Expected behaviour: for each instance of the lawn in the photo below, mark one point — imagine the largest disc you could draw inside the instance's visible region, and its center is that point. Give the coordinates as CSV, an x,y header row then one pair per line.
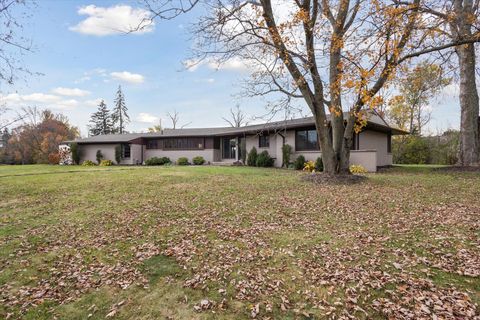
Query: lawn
x,y
236,243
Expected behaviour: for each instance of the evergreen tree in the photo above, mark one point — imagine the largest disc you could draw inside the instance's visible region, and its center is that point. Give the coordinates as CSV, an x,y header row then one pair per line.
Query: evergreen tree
x,y
101,121
119,114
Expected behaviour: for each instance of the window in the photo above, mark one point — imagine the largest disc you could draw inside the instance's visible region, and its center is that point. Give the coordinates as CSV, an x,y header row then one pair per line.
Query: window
x,y
125,151
264,141
228,148
183,143
306,140
152,144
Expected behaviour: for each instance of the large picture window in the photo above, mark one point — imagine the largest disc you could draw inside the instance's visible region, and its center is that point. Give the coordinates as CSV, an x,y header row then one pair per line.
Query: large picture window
x,y
125,151
306,140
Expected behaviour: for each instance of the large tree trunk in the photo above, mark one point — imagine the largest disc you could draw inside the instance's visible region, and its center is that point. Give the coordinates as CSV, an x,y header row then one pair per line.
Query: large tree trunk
x,y
469,153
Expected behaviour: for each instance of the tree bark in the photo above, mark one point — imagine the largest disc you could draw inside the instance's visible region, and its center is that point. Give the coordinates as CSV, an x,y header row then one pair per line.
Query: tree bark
x,y
469,154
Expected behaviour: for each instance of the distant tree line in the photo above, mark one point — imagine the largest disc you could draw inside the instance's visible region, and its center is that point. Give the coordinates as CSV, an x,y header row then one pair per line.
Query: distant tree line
x,y
36,139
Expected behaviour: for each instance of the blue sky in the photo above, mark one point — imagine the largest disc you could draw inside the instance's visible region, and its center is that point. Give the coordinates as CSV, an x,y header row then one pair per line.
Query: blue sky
x,y
83,60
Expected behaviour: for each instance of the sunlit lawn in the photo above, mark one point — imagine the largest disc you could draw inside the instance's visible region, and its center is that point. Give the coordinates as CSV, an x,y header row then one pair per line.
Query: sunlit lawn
x,y
235,242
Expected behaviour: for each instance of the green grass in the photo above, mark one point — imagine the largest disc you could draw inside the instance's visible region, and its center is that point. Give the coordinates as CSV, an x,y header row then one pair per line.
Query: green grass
x,y
153,242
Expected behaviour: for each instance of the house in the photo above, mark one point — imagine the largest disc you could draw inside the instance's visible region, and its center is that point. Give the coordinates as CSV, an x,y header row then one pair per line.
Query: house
x,y
221,145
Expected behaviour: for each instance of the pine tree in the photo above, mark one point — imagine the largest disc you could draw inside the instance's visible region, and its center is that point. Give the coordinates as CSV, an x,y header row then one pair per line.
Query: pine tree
x,y
119,114
101,121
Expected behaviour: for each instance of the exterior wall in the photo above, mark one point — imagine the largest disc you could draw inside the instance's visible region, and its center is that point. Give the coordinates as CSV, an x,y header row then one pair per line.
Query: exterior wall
x,y
89,152
374,140
207,154
365,158
253,141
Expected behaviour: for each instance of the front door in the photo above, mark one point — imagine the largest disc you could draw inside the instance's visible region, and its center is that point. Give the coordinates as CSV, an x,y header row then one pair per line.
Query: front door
x,y
228,148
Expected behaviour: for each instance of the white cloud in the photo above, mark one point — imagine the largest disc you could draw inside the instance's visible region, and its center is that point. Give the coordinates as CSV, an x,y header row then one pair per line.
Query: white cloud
x,y
233,64
71,92
128,77
93,102
147,118
39,99
206,80
119,19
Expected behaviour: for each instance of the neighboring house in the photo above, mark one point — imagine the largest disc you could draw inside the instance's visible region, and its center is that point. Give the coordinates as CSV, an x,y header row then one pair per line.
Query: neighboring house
x,y
371,149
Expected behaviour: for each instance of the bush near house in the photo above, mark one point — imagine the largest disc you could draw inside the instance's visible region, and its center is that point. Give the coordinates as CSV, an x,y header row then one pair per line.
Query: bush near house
x,y
357,168
157,161
252,157
74,149
319,165
54,158
286,153
264,160
106,163
198,160
99,156
118,153
299,163
183,161
309,166
88,163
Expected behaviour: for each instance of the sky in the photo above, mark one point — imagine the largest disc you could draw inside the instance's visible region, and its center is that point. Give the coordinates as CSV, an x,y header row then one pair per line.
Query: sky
x,y
83,56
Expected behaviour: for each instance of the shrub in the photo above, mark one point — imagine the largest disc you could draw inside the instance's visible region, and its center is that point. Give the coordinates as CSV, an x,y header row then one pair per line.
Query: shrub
x,y
286,153
156,161
264,160
88,163
243,150
319,164
182,161
74,149
357,168
252,157
54,158
198,160
309,166
299,162
99,156
106,163
118,153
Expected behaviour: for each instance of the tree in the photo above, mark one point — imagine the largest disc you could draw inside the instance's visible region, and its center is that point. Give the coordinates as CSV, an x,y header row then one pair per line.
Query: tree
x,y
120,117
458,22
175,118
237,117
12,43
101,121
39,137
331,54
408,111
156,128
6,122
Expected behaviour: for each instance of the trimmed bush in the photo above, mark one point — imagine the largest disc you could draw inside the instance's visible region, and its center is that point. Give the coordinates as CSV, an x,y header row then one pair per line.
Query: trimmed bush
x,y
183,161
309,166
106,163
319,164
299,163
99,156
252,157
264,160
118,153
88,163
357,168
286,153
156,161
74,149
198,160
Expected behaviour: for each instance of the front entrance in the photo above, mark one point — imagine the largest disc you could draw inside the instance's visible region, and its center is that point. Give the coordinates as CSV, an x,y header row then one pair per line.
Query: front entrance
x,y
229,147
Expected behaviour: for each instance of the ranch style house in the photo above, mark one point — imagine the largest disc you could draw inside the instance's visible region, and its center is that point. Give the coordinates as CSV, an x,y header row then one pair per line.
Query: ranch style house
x,y
221,145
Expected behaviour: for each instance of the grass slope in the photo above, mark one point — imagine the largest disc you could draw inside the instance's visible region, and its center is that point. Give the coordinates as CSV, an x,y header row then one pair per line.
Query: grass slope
x,y
233,242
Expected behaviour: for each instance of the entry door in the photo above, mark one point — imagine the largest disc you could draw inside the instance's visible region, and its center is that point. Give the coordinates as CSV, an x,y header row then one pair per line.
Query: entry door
x,y
229,146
